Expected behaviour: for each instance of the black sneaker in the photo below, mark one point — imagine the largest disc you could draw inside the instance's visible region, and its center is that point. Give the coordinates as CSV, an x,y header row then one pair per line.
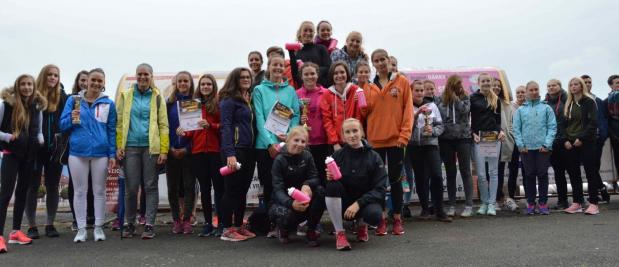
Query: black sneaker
x,y
50,231
207,230
406,212
282,235
561,206
149,232
74,227
442,216
312,238
605,195
218,231
425,215
128,231
33,233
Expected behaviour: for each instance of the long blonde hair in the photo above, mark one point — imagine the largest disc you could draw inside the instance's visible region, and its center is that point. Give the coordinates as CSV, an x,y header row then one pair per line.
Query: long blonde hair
x,y
20,118
491,97
303,24
52,95
570,97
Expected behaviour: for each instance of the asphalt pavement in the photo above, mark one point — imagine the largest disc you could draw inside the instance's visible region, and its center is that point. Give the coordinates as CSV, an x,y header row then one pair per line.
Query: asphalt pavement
x,y
509,239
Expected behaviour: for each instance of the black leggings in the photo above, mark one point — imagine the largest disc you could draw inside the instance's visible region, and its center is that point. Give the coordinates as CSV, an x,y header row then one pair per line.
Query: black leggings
x,y
395,160
180,179
13,171
205,167
287,218
585,155
513,165
320,153
371,213
236,185
265,162
426,162
558,161
90,199
52,180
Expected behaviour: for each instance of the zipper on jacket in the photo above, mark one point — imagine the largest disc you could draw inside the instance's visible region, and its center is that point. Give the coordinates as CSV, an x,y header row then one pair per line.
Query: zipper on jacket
x,y
236,135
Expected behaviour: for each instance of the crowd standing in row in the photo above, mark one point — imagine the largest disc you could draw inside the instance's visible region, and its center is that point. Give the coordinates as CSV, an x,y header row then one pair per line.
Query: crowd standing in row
x,y
347,141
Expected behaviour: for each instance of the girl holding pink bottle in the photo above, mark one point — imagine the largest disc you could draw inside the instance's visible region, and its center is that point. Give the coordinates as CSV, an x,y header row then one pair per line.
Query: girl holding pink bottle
x,y
360,192
298,193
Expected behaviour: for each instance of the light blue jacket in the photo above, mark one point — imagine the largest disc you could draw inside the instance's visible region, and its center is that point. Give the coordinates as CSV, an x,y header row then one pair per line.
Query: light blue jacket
x,y
263,98
534,125
95,136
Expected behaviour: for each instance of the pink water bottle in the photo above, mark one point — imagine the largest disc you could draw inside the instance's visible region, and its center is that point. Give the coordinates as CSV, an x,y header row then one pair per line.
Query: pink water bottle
x,y
361,98
225,170
279,146
294,46
333,168
298,195
332,45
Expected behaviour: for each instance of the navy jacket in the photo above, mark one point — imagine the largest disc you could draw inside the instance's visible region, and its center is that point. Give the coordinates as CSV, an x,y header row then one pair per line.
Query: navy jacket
x,y
237,125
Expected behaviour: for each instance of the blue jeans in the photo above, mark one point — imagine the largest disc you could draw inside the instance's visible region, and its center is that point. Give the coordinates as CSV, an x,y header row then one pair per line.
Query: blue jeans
x,y
487,190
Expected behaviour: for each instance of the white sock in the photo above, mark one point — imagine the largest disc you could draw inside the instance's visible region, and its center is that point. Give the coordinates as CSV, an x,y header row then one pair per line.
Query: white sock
x,y
334,206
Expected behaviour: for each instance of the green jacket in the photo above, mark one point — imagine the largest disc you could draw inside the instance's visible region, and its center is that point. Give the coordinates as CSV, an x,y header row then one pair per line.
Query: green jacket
x,y
158,131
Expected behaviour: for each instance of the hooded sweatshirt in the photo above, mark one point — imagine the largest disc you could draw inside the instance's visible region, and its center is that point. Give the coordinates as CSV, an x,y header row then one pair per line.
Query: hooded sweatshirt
x,y
363,174
434,117
483,117
456,118
535,125
336,108
317,134
264,98
557,104
292,171
390,117
95,136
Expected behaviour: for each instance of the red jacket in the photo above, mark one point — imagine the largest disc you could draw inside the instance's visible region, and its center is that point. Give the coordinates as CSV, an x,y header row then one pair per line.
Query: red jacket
x,y
206,140
335,109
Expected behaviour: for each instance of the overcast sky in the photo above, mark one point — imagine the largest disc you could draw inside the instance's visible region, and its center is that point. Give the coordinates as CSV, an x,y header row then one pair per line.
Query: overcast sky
x,y
530,40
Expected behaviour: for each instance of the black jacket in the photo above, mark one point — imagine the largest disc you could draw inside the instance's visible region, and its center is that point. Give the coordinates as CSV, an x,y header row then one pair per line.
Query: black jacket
x,y
292,171
316,54
483,118
557,103
24,147
589,120
51,122
363,174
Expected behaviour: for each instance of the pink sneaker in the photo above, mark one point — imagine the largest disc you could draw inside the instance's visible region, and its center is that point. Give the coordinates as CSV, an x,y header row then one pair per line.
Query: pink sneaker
x,y
574,208
592,210
177,228
18,237
2,245
187,228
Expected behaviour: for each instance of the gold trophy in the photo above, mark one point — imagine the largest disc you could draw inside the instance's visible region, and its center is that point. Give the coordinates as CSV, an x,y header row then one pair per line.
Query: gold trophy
x,y
305,102
427,120
76,106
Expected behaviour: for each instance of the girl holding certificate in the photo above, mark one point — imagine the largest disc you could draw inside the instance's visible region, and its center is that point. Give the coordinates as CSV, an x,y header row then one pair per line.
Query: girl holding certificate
x,y
276,107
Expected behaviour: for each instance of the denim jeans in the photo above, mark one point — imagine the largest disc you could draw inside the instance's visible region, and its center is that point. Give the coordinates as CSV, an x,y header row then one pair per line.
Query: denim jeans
x,y
487,190
139,165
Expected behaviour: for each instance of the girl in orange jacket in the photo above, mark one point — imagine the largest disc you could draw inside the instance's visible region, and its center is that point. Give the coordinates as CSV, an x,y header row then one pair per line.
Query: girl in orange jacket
x,y
339,103
390,120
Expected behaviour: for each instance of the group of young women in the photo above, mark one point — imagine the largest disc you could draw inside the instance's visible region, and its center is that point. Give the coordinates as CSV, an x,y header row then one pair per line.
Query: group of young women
x,y
331,114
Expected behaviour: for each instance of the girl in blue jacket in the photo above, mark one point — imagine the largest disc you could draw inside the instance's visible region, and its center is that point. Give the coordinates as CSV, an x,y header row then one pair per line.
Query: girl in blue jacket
x,y
535,128
274,89
92,148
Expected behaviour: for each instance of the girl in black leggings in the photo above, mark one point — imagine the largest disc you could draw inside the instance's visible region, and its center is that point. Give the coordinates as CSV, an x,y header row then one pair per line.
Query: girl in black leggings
x,y
237,142
20,138
294,168
360,193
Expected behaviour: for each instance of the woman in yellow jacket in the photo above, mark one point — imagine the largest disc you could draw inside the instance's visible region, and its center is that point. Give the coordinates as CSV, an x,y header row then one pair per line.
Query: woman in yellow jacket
x,y
142,143
389,122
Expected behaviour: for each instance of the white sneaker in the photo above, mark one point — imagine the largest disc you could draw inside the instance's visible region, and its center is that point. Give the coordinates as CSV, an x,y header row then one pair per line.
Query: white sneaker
x,y
99,234
511,204
451,211
467,212
80,236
